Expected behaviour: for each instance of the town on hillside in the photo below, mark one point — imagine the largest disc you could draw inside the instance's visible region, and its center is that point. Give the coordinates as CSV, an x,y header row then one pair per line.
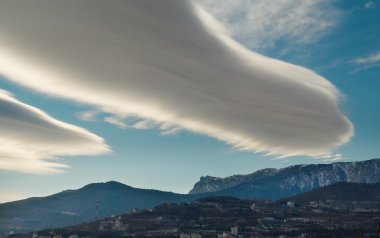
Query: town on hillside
x,y
227,217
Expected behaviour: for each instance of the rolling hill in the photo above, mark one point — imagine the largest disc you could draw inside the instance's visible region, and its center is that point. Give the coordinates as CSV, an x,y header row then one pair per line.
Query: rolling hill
x,y
75,206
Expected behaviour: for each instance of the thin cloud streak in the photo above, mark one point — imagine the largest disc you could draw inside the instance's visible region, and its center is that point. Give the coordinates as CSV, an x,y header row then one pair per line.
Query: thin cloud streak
x,y
87,115
366,63
171,63
116,121
369,5
31,141
372,59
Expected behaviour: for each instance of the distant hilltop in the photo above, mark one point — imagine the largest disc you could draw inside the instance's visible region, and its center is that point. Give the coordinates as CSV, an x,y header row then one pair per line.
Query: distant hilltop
x,y
277,183
75,206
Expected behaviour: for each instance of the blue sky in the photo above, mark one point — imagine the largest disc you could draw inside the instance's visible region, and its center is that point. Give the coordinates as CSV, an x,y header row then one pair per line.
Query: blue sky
x,y
347,53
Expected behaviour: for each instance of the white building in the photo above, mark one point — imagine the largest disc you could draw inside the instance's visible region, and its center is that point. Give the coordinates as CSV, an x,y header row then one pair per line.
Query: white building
x,y
73,236
194,235
119,226
235,230
290,204
184,235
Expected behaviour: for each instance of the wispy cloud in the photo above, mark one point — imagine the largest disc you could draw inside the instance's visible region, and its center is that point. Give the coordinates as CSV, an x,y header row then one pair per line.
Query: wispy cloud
x,y
31,141
263,24
117,121
142,124
331,157
371,59
365,63
169,129
171,62
369,5
87,115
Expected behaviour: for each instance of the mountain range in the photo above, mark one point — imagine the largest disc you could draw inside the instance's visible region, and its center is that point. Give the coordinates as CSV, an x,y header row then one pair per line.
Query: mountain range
x,y
274,184
75,206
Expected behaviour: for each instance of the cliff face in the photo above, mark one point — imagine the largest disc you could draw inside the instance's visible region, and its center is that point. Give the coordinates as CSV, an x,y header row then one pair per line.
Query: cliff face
x,y
291,180
213,184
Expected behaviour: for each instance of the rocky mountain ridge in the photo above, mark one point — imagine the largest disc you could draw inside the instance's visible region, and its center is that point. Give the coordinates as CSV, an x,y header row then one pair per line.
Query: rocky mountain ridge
x,y
291,180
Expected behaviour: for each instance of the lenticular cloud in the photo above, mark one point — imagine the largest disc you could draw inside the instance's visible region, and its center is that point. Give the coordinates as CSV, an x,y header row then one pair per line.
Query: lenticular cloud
x,y
31,140
169,62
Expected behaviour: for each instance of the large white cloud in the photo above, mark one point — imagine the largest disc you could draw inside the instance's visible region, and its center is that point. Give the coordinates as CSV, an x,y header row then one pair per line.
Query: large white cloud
x,y
169,62
31,141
